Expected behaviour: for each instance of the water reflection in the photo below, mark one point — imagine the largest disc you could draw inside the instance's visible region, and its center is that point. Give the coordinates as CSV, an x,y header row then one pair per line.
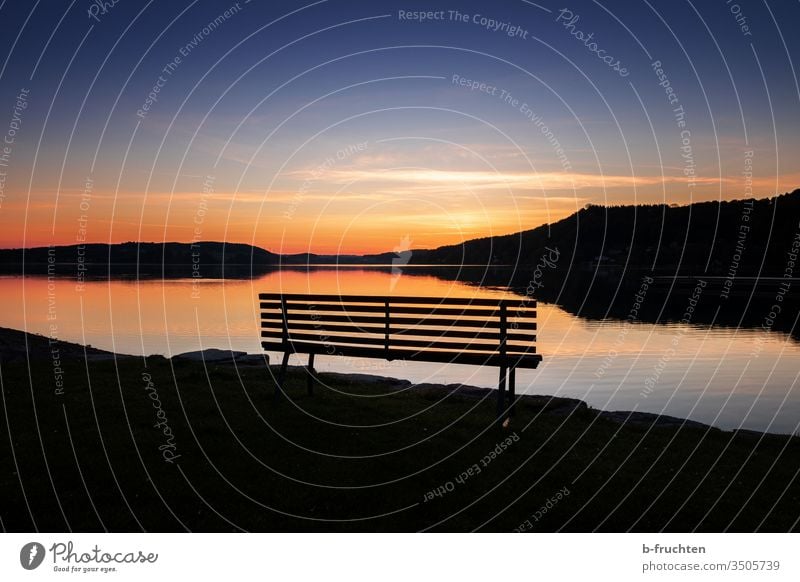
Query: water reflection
x,y
723,376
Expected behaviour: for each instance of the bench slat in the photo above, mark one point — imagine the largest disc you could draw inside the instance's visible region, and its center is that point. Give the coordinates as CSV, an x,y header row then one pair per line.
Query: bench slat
x,y
512,303
296,309
406,331
293,308
482,324
322,328
422,309
379,340
459,333
462,334
518,361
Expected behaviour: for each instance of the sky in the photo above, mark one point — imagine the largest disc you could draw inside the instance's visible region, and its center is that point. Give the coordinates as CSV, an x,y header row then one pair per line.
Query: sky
x,y
358,127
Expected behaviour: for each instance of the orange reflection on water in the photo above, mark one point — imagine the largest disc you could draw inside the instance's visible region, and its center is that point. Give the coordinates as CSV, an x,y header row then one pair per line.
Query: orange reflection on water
x,y
710,375
174,316
358,281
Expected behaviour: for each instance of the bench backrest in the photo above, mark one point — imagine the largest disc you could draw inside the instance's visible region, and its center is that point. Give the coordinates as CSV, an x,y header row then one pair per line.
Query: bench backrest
x,y
495,332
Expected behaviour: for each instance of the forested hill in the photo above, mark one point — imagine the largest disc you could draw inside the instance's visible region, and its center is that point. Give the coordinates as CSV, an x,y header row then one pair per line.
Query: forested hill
x,y
149,258
710,238
146,253
705,237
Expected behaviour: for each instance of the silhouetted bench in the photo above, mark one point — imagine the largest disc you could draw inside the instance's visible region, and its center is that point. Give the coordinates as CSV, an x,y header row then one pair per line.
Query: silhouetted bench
x,y
480,332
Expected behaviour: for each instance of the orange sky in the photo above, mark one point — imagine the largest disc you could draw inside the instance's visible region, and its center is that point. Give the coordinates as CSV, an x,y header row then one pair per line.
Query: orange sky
x,y
374,133
421,209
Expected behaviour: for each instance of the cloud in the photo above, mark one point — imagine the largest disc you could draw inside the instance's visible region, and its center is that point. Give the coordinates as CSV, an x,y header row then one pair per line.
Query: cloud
x,y
484,180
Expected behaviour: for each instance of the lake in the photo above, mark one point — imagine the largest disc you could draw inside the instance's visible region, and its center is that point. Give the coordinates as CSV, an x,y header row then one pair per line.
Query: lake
x,y
726,377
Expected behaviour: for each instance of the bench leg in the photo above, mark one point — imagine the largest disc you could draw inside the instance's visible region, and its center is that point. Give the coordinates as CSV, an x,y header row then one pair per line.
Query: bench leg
x,y
310,372
282,375
501,394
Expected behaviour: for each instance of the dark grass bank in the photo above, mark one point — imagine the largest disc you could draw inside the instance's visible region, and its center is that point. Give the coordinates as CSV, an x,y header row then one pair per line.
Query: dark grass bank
x,y
173,445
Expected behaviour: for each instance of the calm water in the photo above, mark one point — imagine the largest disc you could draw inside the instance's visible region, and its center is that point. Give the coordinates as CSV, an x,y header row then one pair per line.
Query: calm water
x,y
725,377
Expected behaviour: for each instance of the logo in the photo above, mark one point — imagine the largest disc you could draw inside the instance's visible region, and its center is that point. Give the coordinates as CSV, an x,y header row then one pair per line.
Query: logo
x,y
31,555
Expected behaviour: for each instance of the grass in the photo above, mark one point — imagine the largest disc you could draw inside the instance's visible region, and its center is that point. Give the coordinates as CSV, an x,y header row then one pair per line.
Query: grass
x,y
359,457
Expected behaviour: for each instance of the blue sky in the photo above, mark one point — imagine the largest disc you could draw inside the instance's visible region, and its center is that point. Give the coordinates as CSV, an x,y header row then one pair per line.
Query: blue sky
x,y
263,99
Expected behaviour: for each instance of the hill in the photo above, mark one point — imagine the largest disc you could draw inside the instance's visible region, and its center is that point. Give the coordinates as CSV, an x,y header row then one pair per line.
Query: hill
x,y
701,238
146,259
743,253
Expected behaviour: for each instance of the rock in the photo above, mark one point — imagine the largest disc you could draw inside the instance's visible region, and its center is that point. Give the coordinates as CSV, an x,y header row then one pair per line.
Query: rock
x,y
557,405
211,355
650,419
19,346
253,360
382,381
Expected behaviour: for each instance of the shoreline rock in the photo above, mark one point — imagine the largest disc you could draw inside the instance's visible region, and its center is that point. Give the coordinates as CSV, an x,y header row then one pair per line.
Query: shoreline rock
x,y
20,346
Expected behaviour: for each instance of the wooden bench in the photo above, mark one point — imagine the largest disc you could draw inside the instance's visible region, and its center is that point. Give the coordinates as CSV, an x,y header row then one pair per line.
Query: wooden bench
x,y
481,332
